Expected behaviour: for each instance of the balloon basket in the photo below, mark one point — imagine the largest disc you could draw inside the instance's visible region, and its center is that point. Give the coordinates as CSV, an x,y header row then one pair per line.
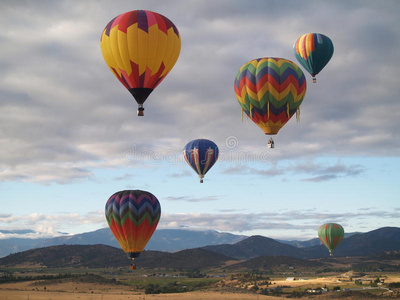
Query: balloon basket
x,y
140,110
271,144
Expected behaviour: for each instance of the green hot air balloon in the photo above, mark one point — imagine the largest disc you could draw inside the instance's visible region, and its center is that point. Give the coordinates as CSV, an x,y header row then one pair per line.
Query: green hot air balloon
x,y
331,235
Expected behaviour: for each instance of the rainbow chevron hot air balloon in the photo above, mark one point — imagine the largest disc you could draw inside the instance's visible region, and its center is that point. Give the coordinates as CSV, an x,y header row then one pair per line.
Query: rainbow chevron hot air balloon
x,y
140,47
201,155
270,90
133,216
313,51
331,235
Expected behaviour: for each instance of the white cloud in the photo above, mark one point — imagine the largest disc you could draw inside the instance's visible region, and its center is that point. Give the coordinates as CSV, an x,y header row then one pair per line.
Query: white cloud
x,y
271,224
49,225
193,199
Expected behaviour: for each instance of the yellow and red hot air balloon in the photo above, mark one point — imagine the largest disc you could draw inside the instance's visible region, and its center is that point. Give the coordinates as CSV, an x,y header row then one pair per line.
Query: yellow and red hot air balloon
x,y
140,47
270,91
133,217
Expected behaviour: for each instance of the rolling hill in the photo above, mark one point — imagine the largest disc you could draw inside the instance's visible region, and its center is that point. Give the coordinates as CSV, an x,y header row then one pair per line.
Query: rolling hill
x,y
256,252
362,244
255,246
103,256
376,241
64,256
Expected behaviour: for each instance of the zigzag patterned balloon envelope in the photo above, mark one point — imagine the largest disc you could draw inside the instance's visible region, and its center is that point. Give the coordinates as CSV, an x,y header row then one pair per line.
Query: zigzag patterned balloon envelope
x,y
270,90
133,216
201,155
140,47
313,51
331,235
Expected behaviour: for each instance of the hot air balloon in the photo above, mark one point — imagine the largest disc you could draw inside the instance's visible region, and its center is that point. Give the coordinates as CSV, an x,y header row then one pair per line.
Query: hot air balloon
x,y
201,155
331,235
140,47
313,51
270,90
133,216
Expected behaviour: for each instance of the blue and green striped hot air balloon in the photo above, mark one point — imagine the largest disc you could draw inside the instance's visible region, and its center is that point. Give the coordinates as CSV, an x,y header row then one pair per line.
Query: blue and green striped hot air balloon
x,y
313,51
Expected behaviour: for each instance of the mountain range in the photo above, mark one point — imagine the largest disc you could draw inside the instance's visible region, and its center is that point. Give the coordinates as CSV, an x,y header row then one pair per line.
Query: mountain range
x,y
360,244
246,248
170,240
102,256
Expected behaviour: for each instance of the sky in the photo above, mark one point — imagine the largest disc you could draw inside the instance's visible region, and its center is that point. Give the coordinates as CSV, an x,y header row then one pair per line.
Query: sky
x,y
70,136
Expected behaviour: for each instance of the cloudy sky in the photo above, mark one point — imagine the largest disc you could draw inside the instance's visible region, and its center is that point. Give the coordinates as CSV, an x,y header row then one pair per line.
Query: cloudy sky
x,y
70,137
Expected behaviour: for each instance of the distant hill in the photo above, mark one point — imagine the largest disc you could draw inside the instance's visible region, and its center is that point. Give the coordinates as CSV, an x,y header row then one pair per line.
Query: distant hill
x,y
255,246
376,241
102,256
264,263
312,242
163,240
363,244
64,256
258,252
14,245
235,246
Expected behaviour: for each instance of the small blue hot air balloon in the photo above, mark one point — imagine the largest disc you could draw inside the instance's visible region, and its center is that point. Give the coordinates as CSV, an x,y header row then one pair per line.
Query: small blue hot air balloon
x,y
201,155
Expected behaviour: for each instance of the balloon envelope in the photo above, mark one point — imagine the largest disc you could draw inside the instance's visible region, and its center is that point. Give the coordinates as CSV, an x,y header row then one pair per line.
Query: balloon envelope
x,y
331,235
133,216
201,155
270,90
140,47
313,51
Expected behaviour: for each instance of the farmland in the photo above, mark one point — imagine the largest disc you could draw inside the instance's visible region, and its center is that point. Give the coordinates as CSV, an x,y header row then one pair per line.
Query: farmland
x,y
119,283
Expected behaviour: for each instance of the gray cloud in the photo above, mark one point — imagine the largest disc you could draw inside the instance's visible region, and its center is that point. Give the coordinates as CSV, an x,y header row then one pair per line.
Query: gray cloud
x,y
320,171
324,173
